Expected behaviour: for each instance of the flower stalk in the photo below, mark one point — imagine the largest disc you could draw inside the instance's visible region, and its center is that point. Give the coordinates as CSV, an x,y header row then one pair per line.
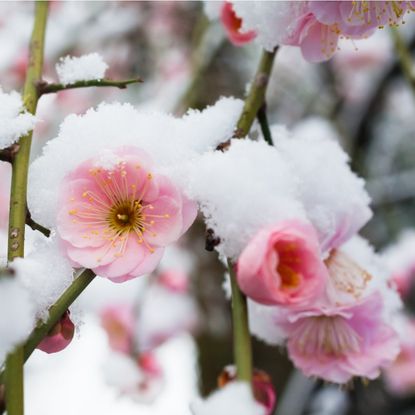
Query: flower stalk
x,y
17,219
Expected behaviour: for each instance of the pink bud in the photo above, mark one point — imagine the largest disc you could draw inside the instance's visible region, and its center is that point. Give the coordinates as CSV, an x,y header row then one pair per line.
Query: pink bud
x,y
174,280
59,337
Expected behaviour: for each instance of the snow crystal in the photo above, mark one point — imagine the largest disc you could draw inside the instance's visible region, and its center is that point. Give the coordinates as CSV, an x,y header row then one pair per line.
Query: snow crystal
x,y
234,398
242,190
89,67
44,273
169,141
14,121
333,196
16,315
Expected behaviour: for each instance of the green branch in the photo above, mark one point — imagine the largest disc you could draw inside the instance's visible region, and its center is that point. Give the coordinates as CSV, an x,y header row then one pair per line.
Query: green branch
x,y
405,58
17,218
48,88
56,311
256,94
241,337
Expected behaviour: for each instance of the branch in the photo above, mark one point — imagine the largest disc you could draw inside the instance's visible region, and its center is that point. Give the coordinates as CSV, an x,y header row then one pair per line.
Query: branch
x,y
242,347
256,95
44,87
263,122
36,226
17,219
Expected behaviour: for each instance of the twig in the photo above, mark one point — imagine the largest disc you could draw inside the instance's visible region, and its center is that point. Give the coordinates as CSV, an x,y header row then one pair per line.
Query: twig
x,y
263,122
36,226
44,87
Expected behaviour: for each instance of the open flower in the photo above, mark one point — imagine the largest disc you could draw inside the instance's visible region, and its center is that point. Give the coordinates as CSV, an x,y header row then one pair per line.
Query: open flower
x,y
282,265
338,343
117,214
232,24
59,337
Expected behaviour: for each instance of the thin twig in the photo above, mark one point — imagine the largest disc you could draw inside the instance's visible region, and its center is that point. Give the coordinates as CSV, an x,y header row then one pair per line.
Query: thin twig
x,y
44,87
263,122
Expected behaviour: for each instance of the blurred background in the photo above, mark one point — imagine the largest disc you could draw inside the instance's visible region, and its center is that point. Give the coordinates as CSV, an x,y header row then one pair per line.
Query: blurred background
x,y
360,97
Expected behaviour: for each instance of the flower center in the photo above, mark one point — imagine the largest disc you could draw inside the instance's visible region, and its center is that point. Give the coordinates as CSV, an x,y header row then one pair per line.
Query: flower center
x,y
326,335
287,264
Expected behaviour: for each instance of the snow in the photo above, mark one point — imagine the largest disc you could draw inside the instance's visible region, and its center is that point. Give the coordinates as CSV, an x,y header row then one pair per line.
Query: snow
x,y
14,121
235,398
16,314
171,142
89,67
242,190
44,273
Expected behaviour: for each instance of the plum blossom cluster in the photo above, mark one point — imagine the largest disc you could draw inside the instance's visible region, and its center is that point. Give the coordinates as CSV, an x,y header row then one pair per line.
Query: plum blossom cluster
x,y
289,221
136,331
314,26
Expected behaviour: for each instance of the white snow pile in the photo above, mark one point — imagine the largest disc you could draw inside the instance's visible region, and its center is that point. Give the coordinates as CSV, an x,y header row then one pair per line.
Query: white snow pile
x,y
14,120
71,69
170,142
45,274
234,399
16,315
241,190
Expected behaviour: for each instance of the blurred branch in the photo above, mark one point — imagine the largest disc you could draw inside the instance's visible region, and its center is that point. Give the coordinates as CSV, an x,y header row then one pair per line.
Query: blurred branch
x,y
363,136
44,87
405,58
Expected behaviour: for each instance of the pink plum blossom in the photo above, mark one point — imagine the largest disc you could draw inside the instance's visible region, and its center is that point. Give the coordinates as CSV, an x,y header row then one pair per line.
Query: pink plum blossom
x,y
232,24
117,214
282,265
5,177
60,336
400,376
317,26
118,321
336,343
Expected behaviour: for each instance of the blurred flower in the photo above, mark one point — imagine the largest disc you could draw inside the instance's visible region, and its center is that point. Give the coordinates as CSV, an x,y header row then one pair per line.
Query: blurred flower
x,y
154,328
118,322
336,343
59,337
282,265
264,391
174,280
400,376
232,24
117,216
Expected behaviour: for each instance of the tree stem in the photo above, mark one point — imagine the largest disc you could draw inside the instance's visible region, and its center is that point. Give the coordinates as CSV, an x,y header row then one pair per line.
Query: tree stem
x,y
263,122
405,58
241,336
17,219
256,95
48,88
